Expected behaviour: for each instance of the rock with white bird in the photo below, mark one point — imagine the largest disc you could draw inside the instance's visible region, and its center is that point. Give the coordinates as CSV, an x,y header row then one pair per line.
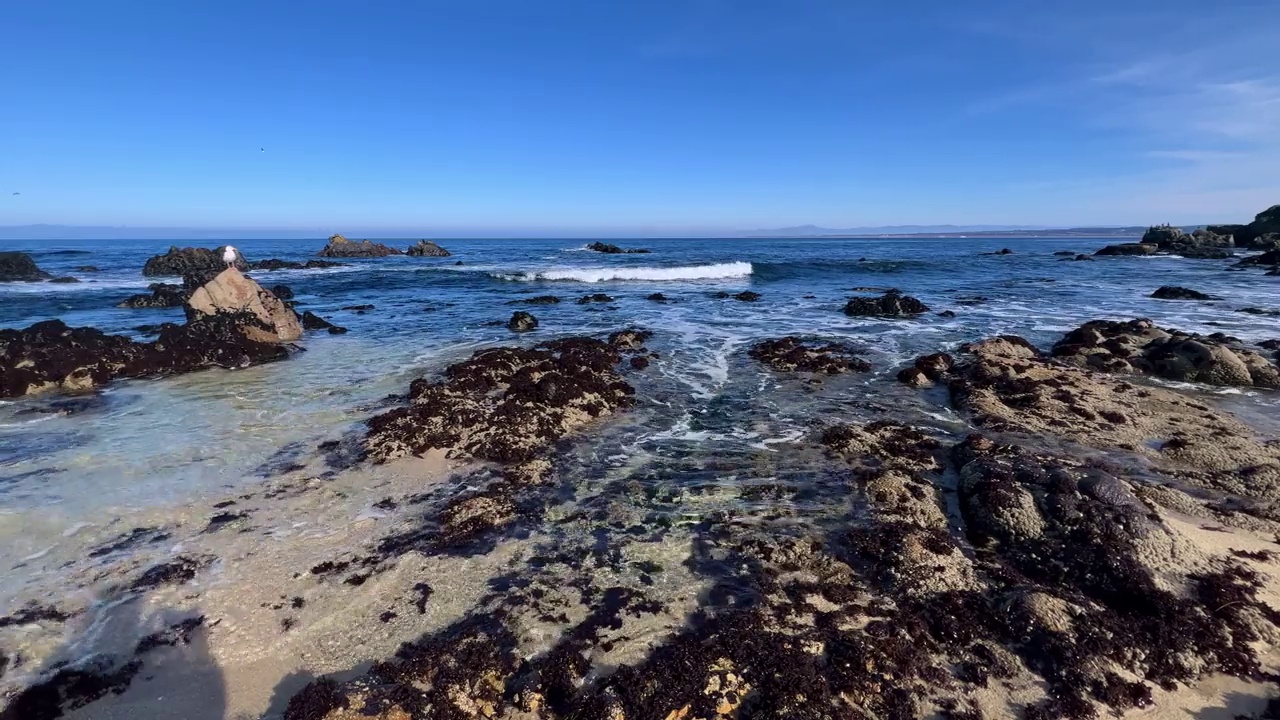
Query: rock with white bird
x,y
230,292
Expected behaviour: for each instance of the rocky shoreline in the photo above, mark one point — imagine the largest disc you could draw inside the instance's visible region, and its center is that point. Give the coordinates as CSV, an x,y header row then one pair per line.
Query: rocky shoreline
x,y
995,529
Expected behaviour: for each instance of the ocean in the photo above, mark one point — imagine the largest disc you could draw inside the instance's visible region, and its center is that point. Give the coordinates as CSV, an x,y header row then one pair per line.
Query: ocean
x,y
164,441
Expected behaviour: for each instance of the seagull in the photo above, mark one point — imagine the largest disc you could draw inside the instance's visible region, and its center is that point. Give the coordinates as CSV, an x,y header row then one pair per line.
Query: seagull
x,y
229,256
17,193
262,149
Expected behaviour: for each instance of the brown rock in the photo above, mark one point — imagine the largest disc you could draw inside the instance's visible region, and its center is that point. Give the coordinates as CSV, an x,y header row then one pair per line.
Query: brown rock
x,y
232,292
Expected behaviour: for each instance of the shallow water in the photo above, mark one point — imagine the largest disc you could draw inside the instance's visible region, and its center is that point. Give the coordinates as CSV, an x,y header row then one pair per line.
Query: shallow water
x,y
146,444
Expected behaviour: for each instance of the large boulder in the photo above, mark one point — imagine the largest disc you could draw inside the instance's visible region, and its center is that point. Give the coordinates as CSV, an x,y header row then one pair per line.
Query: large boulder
x,y
426,248
890,304
230,292
1173,292
188,261
339,246
1270,257
522,322
19,267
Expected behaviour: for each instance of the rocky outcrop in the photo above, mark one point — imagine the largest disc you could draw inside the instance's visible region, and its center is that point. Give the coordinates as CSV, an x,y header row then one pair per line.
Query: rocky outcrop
x,y
50,356
508,405
1268,258
1203,244
537,300
789,354
65,280
1173,292
276,264
190,261
1261,234
340,247
427,248
594,298
926,370
163,295
609,249
522,322
311,321
19,267
231,292
890,304
1129,249
88,268
747,296
1138,346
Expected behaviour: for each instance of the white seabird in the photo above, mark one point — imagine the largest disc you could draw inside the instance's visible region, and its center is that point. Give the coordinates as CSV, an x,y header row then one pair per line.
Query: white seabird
x,y
229,256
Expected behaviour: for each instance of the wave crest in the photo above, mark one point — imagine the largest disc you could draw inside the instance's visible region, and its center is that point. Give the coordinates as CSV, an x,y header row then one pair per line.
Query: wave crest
x,y
718,271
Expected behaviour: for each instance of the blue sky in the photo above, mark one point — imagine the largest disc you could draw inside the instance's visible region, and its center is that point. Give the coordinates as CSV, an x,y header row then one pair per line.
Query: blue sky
x,y
634,116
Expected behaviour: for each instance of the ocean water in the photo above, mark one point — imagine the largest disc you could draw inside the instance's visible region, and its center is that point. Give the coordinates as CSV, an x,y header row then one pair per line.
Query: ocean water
x,y
143,444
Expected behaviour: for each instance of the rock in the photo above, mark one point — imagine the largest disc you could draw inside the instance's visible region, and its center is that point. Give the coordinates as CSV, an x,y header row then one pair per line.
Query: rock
x,y
1065,253
1270,257
596,298
887,305
50,356
657,297
789,354
522,322
88,268
1259,311
1002,251
747,296
274,264
608,249
358,308
1173,292
311,321
1201,244
233,293
162,295
947,314
340,247
538,300
64,280
1138,346
19,267
426,248
1129,249
284,292
190,261
507,405
926,370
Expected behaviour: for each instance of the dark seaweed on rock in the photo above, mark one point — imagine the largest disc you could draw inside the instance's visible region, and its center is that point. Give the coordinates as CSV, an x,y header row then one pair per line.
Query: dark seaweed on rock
x,y
71,688
49,355
175,572
792,353
891,304
507,404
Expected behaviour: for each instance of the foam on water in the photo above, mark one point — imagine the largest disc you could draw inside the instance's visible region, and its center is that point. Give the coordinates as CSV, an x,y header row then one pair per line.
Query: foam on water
x,y
719,271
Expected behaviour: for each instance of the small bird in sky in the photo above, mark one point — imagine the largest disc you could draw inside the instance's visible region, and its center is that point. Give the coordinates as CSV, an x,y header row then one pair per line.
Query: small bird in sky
x,y
262,149
17,193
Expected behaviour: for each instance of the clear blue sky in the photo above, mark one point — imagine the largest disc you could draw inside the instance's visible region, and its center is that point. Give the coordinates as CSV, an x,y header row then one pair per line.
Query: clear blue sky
x,y
655,114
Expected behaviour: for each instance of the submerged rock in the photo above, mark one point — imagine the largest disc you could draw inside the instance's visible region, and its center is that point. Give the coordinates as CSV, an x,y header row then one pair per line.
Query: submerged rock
x,y
190,261
233,293
791,353
1138,346
609,249
1173,292
1270,257
426,248
538,300
522,322
747,296
19,267
887,305
339,246
594,298
65,280
88,268
656,297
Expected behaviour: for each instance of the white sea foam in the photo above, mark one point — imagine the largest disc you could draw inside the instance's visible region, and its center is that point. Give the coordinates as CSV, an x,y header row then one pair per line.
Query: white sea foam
x,y
718,271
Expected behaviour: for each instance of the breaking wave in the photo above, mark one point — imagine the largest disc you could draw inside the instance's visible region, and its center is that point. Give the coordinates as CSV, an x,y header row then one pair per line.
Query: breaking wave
x,y
653,274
